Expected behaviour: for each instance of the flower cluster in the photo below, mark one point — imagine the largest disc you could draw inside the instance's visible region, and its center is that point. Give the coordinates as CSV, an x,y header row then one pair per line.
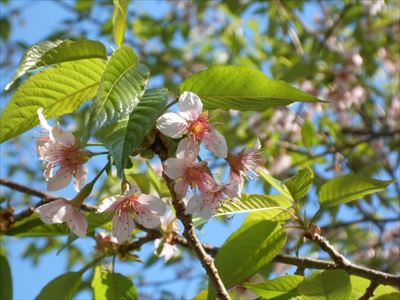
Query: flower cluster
x,y
191,123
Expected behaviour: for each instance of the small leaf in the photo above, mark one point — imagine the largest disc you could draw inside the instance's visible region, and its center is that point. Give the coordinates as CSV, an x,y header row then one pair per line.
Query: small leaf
x,y
107,285
240,88
276,184
54,52
328,285
300,184
5,279
119,20
121,87
248,250
5,29
278,289
348,188
61,288
59,90
129,133
308,134
84,5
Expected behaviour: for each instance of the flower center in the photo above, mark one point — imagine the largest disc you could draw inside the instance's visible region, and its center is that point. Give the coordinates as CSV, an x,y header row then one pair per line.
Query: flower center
x,y
200,126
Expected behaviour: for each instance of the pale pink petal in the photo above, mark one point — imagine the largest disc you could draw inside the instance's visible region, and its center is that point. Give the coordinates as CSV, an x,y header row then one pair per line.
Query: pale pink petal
x,y
169,251
42,143
60,180
153,203
181,187
198,206
233,188
53,212
65,138
148,219
76,221
122,226
80,177
174,168
215,142
48,171
190,106
172,125
188,147
42,119
109,204
257,145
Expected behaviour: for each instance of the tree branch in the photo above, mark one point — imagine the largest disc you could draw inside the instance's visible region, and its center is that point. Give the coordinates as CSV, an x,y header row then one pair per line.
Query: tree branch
x,y
369,292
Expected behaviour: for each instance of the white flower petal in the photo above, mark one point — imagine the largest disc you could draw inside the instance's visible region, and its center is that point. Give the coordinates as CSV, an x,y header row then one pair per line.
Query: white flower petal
x,y
148,219
188,147
109,204
48,171
215,142
60,180
172,125
123,226
53,212
190,106
42,120
153,203
194,204
175,167
80,177
76,221
65,138
181,188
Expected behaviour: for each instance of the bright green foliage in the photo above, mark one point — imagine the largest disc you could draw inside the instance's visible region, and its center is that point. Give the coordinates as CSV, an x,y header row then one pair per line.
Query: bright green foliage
x,y
107,285
248,250
129,133
240,88
391,296
348,188
61,288
59,90
359,285
276,184
300,184
54,52
119,20
121,87
280,288
5,279
328,285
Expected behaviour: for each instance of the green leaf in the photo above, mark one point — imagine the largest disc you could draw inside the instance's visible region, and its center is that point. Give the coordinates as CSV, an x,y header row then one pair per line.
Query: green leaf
x,y
5,279
129,132
5,29
61,288
240,88
391,296
300,184
84,5
328,285
59,90
279,288
248,250
308,134
359,286
348,188
121,87
107,285
276,184
54,52
119,20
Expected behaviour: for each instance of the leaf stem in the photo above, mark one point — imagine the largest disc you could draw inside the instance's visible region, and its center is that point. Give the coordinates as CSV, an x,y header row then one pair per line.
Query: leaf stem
x,y
91,264
94,145
99,153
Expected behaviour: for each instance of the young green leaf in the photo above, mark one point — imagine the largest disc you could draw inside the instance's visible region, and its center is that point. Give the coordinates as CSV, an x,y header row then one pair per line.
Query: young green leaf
x,y
61,288
359,285
59,90
119,20
129,132
248,250
5,279
121,87
328,285
300,184
240,88
276,184
107,285
348,188
278,289
54,52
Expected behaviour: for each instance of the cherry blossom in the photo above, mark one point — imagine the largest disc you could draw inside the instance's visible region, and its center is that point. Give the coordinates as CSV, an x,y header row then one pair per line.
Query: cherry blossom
x,y
60,149
145,209
185,171
166,247
63,211
244,293
191,120
246,162
206,204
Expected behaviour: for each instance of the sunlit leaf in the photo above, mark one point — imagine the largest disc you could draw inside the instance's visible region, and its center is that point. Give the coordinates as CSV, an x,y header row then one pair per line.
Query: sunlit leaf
x,y
348,188
5,279
61,288
300,184
59,90
276,184
240,88
280,288
119,20
360,284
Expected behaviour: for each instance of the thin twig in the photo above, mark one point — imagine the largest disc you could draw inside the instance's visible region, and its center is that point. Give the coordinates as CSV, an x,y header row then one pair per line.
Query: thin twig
x,y
369,292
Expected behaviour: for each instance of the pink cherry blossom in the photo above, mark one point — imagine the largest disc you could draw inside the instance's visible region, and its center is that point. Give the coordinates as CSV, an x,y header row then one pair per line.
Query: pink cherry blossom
x,y
192,121
145,209
63,211
60,149
185,171
246,162
244,293
166,247
206,204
